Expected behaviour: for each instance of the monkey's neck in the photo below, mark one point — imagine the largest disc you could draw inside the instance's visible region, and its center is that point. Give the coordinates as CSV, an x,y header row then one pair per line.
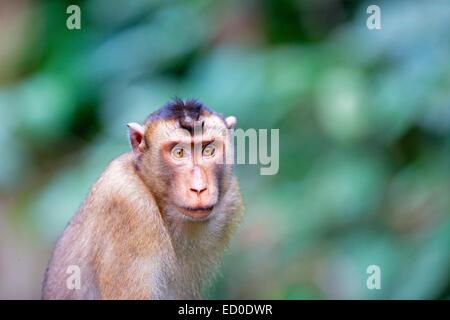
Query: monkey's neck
x,y
193,238
193,259
196,246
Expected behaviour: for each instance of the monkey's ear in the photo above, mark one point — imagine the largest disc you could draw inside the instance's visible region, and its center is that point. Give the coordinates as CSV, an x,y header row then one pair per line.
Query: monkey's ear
x,y
230,122
137,132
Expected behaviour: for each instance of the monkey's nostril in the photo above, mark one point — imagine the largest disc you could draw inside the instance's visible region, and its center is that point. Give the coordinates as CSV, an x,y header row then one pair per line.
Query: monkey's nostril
x,y
198,191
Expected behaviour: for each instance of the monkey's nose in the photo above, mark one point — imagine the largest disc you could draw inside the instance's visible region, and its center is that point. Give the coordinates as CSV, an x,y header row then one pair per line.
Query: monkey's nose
x,y
198,182
198,190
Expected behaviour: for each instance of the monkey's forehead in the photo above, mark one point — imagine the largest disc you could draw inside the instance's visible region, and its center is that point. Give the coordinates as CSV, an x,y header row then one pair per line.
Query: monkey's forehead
x,y
210,127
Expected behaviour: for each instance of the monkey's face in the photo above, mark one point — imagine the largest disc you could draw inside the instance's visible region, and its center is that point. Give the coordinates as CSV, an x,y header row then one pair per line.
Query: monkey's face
x,y
191,164
183,153
194,185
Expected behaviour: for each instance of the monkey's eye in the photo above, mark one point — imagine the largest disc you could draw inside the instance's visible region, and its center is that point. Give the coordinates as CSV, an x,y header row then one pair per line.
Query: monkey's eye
x,y
178,152
209,150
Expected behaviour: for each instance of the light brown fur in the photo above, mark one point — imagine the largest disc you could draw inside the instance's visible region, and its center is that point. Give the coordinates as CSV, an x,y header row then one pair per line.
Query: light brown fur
x,y
130,244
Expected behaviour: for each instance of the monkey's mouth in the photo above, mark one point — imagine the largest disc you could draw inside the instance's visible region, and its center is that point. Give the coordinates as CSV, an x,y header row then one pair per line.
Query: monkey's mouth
x,y
197,213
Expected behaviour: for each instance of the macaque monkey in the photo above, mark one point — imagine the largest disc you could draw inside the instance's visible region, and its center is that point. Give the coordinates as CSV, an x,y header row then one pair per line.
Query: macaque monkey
x,y
156,222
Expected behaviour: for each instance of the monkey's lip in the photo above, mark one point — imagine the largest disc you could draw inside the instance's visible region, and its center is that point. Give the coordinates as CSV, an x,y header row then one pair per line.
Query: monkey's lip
x,y
197,213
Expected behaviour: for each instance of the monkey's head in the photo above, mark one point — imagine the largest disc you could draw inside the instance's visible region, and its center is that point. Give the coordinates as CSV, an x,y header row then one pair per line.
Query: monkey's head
x,y
182,153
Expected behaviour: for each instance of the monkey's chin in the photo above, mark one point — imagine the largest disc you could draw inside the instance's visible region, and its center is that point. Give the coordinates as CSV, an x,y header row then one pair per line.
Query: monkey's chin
x,y
197,214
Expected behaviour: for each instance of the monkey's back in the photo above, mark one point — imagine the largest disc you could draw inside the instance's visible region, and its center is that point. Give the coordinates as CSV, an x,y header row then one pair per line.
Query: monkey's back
x,y
115,233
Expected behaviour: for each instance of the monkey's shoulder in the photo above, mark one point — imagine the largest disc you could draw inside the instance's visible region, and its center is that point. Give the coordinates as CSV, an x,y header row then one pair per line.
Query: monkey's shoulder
x,y
118,206
119,188
120,178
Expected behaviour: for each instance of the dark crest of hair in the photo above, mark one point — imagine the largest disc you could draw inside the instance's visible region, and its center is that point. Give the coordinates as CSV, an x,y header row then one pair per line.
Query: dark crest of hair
x,y
186,112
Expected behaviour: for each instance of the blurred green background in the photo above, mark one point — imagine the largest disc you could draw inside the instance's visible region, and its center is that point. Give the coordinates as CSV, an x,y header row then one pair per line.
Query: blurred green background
x,y
364,119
